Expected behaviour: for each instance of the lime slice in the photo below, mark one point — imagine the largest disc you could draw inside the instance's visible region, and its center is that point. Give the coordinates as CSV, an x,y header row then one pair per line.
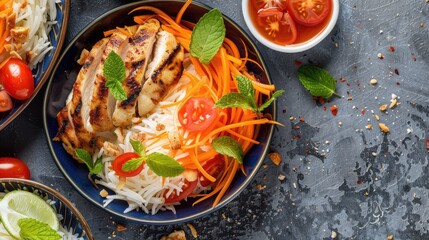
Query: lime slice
x,y
22,204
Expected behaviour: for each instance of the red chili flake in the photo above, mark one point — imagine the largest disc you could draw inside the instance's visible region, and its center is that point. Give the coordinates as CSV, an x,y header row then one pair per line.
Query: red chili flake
x,y
298,63
342,79
348,84
284,110
363,111
427,144
398,83
324,108
391,48
359,181
349,98
348,93
334,110
301,119
414,57
296,127
396,71
321,100
297,136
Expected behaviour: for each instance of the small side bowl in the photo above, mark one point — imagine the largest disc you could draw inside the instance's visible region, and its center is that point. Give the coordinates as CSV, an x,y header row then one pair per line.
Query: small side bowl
x,y
72,218
291,48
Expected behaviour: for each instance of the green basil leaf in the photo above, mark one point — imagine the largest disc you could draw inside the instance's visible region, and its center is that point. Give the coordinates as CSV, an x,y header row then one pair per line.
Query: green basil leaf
x,y
33,229
84,156
164,165
266,104
246,88
132,164
98,166
234,99
318,81
207,36
138,147
116,90
228,146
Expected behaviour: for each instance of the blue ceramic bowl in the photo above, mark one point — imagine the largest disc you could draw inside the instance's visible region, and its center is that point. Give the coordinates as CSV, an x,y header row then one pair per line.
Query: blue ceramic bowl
x,y
72,218
43,69
61,83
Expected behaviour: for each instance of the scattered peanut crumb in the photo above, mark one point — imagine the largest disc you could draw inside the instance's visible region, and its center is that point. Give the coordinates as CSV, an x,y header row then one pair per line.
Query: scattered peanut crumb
x,y
264,166
383,107
120,228
393,103
380,56
333,234
409,130
377,117
104,193
373,81
260,187
291,118
176,235
383,128
390,237
281,177
275,157
369,126
349,98
193,230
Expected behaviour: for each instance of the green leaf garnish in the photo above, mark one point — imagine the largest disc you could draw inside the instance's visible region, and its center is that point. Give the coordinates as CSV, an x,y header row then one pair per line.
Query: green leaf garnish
x,y
228,146
207,36
317,80
132,164
246,97
94,167
33,229
164,165
114,72
138,147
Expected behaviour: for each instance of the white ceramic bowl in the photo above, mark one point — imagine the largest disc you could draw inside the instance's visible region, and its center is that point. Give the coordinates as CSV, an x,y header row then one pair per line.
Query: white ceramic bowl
x,y
291,48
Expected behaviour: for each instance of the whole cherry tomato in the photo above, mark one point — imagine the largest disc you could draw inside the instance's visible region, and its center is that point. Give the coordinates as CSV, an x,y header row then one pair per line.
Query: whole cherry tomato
x,y
13,168
17,79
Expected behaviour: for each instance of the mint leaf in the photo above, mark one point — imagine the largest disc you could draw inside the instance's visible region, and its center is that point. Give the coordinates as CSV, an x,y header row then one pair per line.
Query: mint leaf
x,y
228,146
132,164
138,147
266,104
114,72
85,157
164,165
235,99
33,229
246,88
207,36
318,81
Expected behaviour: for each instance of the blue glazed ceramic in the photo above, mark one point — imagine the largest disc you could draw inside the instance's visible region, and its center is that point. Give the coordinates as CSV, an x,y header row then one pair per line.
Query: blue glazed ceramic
x,y
61,83
42,71
72,218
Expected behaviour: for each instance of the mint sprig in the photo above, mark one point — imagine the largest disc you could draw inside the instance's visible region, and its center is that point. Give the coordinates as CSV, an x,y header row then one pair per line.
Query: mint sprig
x,y
228,146
94,167
161,164
207,36
246,97
33,229
318,81
114,72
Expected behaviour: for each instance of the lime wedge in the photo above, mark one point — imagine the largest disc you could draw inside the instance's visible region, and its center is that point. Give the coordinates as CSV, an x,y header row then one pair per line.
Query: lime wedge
x,y
22,204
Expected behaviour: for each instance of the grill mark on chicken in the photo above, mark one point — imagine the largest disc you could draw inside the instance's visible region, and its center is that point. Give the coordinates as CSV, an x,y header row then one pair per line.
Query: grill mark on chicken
x,y
133,86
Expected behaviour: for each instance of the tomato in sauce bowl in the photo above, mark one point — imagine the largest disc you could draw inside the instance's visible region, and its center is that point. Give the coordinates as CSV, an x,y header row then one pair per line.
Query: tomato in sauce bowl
x,y
289,22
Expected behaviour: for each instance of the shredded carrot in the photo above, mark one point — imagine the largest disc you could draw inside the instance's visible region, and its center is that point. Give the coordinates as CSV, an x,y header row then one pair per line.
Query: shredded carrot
x,y
109,32
182,10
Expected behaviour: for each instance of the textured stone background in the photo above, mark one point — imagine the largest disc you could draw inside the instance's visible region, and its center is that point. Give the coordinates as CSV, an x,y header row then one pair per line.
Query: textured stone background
x,y
339,176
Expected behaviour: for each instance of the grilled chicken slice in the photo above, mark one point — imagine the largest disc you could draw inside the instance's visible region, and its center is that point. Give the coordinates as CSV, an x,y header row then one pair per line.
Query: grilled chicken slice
x,y
66,132
164,69
102,103
136,61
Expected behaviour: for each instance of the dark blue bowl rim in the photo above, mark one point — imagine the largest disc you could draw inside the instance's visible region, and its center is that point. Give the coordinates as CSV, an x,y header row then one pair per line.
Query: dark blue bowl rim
x,y
58,195
46,74
221,204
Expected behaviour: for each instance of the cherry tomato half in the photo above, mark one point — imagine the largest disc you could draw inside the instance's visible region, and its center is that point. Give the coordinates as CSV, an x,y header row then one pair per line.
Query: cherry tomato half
x,y
5,102
214,167
13,168
17,79
187,189
269,3
278,25
197,114
121,160
309,12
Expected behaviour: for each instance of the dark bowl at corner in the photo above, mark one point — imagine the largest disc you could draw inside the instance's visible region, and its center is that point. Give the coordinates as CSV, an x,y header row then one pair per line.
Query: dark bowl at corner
x,y
72,218
61,83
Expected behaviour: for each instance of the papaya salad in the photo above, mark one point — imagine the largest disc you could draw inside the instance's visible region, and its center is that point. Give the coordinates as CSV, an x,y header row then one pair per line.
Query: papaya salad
x,y
164,110
24,42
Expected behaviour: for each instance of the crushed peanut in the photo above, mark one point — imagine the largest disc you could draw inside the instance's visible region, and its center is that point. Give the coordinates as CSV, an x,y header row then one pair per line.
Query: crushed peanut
x,y
393,103
373,81
380,56
390,237
281,177
104,193
377,117
275,157
176,235
193,230
120,228
369,126
383,107
383,128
